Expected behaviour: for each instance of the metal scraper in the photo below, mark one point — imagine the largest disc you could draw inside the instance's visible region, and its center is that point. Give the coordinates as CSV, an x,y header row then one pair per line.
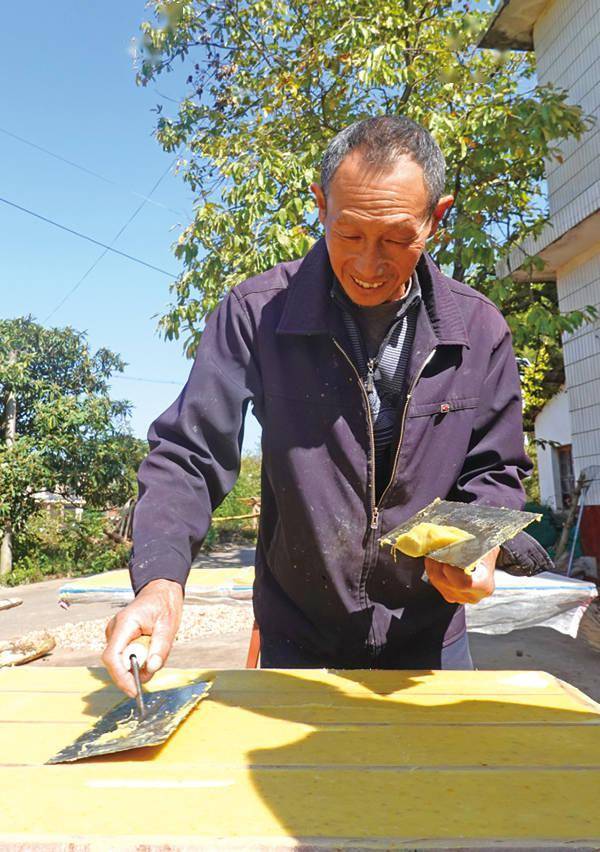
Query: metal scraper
x,y
147,720
488,527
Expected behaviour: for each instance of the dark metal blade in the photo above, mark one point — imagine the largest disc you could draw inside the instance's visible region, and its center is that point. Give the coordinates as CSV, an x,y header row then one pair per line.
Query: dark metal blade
x,y
122,728
489,526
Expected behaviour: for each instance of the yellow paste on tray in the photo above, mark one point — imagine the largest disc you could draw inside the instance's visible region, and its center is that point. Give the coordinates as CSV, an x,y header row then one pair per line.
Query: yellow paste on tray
x,y
123,729
424,538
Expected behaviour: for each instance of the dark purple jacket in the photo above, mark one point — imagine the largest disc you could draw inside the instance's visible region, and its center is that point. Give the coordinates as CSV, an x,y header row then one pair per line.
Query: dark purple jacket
x,y
277,341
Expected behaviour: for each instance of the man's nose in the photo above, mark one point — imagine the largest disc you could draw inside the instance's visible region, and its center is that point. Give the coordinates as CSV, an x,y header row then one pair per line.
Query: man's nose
x,y
369,264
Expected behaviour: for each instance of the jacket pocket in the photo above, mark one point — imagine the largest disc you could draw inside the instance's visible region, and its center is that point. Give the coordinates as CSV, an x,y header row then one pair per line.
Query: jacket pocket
x,y
444,406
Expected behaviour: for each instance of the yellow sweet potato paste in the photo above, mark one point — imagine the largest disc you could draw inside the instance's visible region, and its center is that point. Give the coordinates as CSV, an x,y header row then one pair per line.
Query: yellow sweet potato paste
x,y
425,538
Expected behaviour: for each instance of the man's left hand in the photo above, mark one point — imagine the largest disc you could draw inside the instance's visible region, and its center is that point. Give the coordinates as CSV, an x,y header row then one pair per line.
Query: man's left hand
x,y
456,586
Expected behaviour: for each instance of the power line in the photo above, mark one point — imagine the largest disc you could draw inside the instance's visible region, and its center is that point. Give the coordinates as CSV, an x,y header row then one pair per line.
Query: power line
x,y
89,239
88,171
149,381
106,250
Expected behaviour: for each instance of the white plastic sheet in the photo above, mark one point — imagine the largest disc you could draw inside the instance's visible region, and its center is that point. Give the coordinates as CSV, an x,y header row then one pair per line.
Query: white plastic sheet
x,y
546,600
204,586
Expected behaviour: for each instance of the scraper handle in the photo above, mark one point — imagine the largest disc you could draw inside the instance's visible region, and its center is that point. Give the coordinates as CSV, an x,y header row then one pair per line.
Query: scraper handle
x,y
139,647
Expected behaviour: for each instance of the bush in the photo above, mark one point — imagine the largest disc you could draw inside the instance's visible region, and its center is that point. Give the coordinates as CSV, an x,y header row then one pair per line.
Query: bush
x,y
547,530
51,546
237,503
532,483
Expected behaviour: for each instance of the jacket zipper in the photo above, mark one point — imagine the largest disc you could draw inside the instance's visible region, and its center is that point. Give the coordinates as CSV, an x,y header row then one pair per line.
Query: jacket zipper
x,y
365,390
371,365
374,509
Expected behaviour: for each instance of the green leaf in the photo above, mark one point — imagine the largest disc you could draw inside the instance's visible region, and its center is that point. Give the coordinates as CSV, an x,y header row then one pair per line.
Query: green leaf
x,y
285,82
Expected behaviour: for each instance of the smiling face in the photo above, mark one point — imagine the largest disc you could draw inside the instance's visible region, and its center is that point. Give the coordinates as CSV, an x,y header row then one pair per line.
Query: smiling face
x,y
376,226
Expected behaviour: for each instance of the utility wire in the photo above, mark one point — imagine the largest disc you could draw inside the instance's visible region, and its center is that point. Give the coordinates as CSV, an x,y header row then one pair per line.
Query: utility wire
x,y
106,250
87,171
149,381
89,239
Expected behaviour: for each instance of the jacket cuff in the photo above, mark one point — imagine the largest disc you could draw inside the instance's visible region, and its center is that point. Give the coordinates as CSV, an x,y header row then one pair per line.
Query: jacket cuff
x,y
158,560
523,556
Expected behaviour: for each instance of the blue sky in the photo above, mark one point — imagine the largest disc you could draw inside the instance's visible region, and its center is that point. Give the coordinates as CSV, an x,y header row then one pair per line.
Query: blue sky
x,y
72,91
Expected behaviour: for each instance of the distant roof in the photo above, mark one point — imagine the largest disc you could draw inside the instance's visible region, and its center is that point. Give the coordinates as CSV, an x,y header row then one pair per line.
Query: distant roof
x,y
512,25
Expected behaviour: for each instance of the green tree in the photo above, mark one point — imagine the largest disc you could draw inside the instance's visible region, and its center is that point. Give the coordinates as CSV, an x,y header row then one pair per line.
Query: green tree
x,y
239,504
70,435
271,81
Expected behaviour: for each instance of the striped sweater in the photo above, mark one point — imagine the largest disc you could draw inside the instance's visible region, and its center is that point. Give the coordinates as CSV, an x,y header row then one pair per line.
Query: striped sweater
x,y
381,340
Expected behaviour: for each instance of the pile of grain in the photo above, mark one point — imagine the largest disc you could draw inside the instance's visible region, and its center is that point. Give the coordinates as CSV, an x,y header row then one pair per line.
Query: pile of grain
x,y
197,621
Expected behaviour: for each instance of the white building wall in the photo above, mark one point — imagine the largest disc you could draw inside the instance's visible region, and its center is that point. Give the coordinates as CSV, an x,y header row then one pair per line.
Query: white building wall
x,y
579,286
553,423
567,46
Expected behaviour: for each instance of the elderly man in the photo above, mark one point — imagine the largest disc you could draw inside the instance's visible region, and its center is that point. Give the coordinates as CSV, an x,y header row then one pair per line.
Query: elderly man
x,y
380,384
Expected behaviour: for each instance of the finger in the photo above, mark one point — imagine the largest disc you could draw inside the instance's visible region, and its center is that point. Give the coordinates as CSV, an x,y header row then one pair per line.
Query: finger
x,y
124,631
484,582
455,596
119,675
433,569
466,596
456,577
438,580
479,576
482,579
110,626
445,575
161,642
453,584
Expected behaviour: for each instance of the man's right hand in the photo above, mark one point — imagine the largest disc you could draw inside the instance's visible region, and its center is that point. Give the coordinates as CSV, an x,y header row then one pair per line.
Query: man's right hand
x,y
155,612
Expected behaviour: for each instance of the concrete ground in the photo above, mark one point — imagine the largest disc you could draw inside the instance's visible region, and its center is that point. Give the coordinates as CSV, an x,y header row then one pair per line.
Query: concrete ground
x,y
535,648
543,649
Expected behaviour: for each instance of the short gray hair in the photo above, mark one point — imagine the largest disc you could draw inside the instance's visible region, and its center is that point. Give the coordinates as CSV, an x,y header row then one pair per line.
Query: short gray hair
x,y
382,141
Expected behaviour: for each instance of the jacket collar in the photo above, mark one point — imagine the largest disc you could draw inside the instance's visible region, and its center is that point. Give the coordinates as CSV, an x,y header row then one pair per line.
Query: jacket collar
x,y
309,308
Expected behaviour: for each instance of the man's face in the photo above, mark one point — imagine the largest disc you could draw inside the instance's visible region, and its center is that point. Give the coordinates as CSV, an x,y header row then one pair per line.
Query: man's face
x,y
376,226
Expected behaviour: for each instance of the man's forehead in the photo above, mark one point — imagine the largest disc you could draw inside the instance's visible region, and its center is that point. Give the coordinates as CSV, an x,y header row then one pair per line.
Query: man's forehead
x,y
403,221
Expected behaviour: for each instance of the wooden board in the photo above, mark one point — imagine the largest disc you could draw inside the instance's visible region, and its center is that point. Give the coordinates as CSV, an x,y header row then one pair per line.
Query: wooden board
x,y
308,759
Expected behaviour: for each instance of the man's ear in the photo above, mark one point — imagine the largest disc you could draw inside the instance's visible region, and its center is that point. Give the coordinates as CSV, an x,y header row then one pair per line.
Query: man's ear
x,y
443,205
321,201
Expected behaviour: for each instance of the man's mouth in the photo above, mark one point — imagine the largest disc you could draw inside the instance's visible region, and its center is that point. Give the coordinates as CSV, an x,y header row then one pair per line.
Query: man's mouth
x,y
367,285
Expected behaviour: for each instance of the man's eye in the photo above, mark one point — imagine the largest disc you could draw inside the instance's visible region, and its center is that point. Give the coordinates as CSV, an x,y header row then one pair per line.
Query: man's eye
x,y
348,236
